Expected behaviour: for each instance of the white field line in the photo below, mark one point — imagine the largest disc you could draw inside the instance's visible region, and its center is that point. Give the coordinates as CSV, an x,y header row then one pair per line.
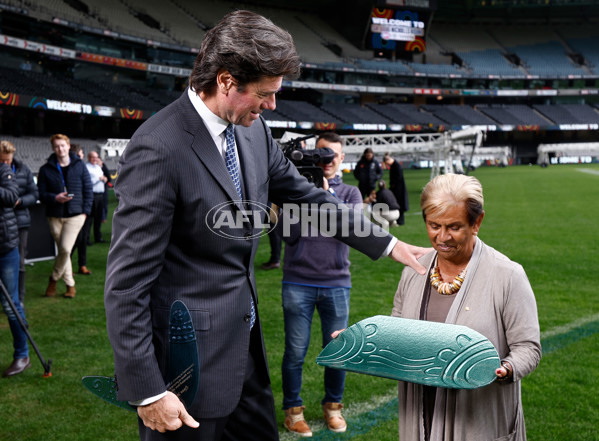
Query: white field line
x,y
568,327
588,170
357,409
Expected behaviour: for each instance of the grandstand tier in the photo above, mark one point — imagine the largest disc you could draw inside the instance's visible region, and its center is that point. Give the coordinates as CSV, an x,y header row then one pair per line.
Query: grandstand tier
x,y
107,65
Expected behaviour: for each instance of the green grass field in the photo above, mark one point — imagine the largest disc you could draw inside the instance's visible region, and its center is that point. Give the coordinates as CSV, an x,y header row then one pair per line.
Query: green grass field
x,y
544,219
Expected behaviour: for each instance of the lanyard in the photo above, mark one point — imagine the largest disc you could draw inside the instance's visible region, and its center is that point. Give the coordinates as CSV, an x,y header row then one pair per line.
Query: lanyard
x,y
64,184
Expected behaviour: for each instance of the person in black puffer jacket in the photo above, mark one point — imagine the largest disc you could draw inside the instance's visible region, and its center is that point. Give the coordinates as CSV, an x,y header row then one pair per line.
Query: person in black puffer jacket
x,y
66,189
9,269
368,171
27,197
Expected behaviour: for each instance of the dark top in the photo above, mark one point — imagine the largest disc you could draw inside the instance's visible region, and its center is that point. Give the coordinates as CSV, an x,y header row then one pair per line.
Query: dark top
x,y
398,186
367,173
9,193
76,180
385,196
28,193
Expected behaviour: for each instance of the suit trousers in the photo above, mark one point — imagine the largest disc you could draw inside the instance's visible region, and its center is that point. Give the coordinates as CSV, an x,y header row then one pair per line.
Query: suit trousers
x,y
97,215
254,418
94,218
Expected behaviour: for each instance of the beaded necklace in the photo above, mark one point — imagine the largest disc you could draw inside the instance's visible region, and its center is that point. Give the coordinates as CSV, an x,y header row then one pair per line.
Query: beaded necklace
x,y
446,288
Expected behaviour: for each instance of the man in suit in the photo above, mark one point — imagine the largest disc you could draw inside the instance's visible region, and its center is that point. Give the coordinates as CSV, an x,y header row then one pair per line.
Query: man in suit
x,y
173,179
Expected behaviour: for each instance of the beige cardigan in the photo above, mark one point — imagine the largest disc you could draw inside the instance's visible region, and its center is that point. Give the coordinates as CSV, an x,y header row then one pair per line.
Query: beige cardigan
x,y
496,300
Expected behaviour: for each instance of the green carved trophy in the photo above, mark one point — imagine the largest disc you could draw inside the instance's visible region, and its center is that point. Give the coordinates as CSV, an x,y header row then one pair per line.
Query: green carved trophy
x,y
183,375
417,351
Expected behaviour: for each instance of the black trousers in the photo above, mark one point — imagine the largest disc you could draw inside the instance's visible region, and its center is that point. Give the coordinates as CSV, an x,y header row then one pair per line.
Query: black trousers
x,y
97,215
254,419
275,245
81,244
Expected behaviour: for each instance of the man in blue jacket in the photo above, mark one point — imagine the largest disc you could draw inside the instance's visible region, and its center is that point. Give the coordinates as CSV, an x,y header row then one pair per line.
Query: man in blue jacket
x,y
66,189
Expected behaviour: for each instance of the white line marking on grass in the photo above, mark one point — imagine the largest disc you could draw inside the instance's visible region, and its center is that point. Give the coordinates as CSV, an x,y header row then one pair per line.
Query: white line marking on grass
x,y
588,170
568,327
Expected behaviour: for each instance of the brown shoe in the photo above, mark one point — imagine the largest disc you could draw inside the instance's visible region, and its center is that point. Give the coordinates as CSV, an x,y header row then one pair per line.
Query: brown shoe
x,y
270,265
70,292
333,417
17,366
83,270
295,421
51,289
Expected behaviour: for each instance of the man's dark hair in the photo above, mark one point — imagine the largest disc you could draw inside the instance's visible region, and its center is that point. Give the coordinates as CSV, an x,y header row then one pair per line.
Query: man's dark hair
x,y
247,45
330,137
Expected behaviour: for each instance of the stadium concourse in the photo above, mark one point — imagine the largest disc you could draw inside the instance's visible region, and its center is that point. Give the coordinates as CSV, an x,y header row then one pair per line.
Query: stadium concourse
x,y
521,73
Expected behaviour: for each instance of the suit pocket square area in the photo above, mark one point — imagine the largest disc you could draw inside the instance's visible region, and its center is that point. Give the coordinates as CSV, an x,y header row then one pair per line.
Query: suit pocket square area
x,y
417,351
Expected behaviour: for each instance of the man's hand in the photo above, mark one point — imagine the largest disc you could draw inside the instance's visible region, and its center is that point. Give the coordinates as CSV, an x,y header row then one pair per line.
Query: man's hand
x,y
62,198
335,334
168,413
409,254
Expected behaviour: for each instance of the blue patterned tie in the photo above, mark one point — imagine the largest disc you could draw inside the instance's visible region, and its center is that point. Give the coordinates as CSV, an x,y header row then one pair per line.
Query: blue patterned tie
x,y
233,169
231,160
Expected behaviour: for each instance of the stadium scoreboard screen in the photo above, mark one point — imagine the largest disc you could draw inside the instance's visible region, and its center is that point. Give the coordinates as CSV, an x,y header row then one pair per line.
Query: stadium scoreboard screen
x,y
399,26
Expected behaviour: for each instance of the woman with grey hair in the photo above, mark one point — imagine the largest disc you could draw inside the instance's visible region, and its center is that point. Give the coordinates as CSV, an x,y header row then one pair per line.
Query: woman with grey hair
x,y
471,284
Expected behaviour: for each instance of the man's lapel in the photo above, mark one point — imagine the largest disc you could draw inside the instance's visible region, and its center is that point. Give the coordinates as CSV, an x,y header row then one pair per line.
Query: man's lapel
x,y
204,148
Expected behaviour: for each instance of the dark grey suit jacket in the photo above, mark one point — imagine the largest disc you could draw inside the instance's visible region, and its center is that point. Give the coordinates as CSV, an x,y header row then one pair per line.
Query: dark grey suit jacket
x,y
171,176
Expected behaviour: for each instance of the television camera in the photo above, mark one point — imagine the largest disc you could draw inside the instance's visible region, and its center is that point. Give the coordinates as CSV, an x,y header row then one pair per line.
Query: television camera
x,y
306,160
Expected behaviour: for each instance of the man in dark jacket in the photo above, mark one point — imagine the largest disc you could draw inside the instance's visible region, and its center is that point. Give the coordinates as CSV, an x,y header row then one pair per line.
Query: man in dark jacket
x,y
368,171
27,197
66,189
9,269
397,185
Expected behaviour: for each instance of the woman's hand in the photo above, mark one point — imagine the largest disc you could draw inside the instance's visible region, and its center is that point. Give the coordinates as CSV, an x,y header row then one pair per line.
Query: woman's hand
x,y
505,372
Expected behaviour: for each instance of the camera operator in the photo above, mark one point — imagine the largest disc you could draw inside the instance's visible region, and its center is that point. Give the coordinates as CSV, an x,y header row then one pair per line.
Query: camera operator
x,y
316,275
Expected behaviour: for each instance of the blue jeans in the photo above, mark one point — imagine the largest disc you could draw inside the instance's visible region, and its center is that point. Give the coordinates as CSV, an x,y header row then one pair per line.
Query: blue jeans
x,y
9,273
299,302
